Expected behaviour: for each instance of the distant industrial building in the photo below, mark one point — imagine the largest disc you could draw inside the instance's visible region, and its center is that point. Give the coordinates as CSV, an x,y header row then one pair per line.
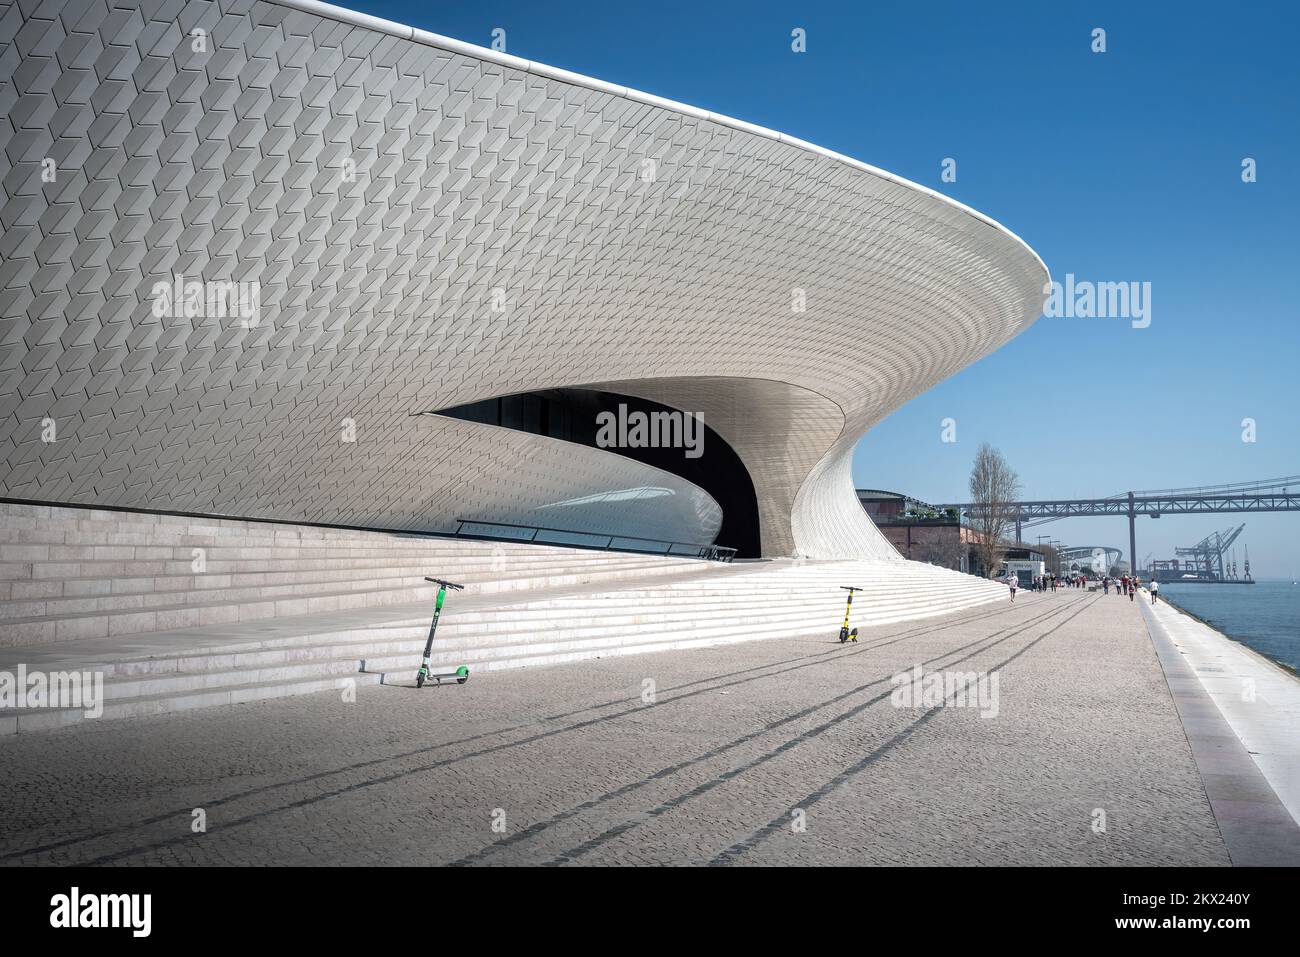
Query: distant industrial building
x,y
923,532
1094,560
939,535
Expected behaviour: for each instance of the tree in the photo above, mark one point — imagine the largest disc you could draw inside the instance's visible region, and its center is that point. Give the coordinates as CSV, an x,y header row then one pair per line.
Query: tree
x,y
946,553
994,485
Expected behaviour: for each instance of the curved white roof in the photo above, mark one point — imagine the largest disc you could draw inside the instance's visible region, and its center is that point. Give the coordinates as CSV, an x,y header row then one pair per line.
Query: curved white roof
x,y
428,224
489,55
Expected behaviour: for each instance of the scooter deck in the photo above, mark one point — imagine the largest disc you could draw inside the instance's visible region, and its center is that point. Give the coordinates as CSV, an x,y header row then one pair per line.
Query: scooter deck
x,y
460,676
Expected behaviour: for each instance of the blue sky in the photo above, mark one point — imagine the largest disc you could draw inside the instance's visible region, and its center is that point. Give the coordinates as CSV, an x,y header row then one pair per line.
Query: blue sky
x,y
1121,166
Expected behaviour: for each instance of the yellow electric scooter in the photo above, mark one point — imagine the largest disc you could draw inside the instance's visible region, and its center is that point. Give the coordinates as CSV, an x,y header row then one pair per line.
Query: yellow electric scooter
x,y
845,634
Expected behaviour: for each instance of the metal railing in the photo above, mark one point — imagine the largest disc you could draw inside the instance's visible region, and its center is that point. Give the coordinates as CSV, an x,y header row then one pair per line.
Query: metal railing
x,y
594,540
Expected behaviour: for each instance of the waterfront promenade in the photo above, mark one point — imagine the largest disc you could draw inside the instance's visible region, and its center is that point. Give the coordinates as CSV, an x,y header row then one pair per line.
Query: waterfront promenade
x,y
1242,715
788,751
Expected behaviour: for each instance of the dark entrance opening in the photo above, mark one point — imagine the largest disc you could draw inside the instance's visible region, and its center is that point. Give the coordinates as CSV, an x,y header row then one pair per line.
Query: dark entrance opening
x,y
571,415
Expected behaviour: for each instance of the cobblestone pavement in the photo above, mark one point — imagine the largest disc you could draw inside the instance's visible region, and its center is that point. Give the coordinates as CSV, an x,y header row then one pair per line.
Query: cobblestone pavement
x,y
776,752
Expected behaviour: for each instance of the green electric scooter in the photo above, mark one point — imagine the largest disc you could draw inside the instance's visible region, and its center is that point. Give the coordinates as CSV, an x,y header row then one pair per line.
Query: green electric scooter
x,y
461,674
845,634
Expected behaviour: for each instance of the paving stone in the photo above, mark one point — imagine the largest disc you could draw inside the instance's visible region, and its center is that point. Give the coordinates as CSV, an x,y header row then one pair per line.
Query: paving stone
x,y
585,772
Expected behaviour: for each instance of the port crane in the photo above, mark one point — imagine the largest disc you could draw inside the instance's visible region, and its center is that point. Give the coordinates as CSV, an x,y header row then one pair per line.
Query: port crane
x,y
1265,495
1206,556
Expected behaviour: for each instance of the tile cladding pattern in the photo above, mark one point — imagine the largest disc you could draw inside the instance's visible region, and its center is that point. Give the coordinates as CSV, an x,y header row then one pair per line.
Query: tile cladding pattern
x,y
428,224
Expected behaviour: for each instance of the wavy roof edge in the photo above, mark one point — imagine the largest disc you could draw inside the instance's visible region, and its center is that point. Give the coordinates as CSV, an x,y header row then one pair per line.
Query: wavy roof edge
x,y
365,20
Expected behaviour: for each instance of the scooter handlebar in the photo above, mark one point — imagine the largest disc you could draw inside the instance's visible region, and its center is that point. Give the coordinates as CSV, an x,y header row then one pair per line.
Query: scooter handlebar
x,y
444,582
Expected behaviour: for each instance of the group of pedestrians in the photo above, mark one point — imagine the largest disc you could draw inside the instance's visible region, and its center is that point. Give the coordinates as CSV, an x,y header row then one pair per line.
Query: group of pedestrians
x,y
1126,585
1050,582
1045,583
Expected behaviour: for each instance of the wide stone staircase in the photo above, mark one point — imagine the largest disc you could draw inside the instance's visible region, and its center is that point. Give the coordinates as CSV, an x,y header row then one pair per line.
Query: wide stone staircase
x,y
75,573
524,606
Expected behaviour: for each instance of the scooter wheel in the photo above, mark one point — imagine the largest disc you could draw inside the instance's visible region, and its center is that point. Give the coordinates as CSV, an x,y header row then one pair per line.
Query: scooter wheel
x,y
419,680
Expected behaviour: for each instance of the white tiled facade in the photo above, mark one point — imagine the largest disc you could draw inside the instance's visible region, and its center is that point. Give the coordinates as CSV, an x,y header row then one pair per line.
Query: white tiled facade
x,y
428,225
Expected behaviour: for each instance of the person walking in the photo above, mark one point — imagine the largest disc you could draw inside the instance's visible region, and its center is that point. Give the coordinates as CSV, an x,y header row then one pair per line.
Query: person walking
x,y
1155,591
1013,581
1132,588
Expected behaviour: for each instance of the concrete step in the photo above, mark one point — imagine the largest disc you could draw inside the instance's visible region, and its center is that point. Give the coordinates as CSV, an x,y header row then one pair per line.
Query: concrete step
x,y
110,529
410,640
408,643
545,654
33,624
456,639
611,611
151,568
283,610
162,693
143,593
